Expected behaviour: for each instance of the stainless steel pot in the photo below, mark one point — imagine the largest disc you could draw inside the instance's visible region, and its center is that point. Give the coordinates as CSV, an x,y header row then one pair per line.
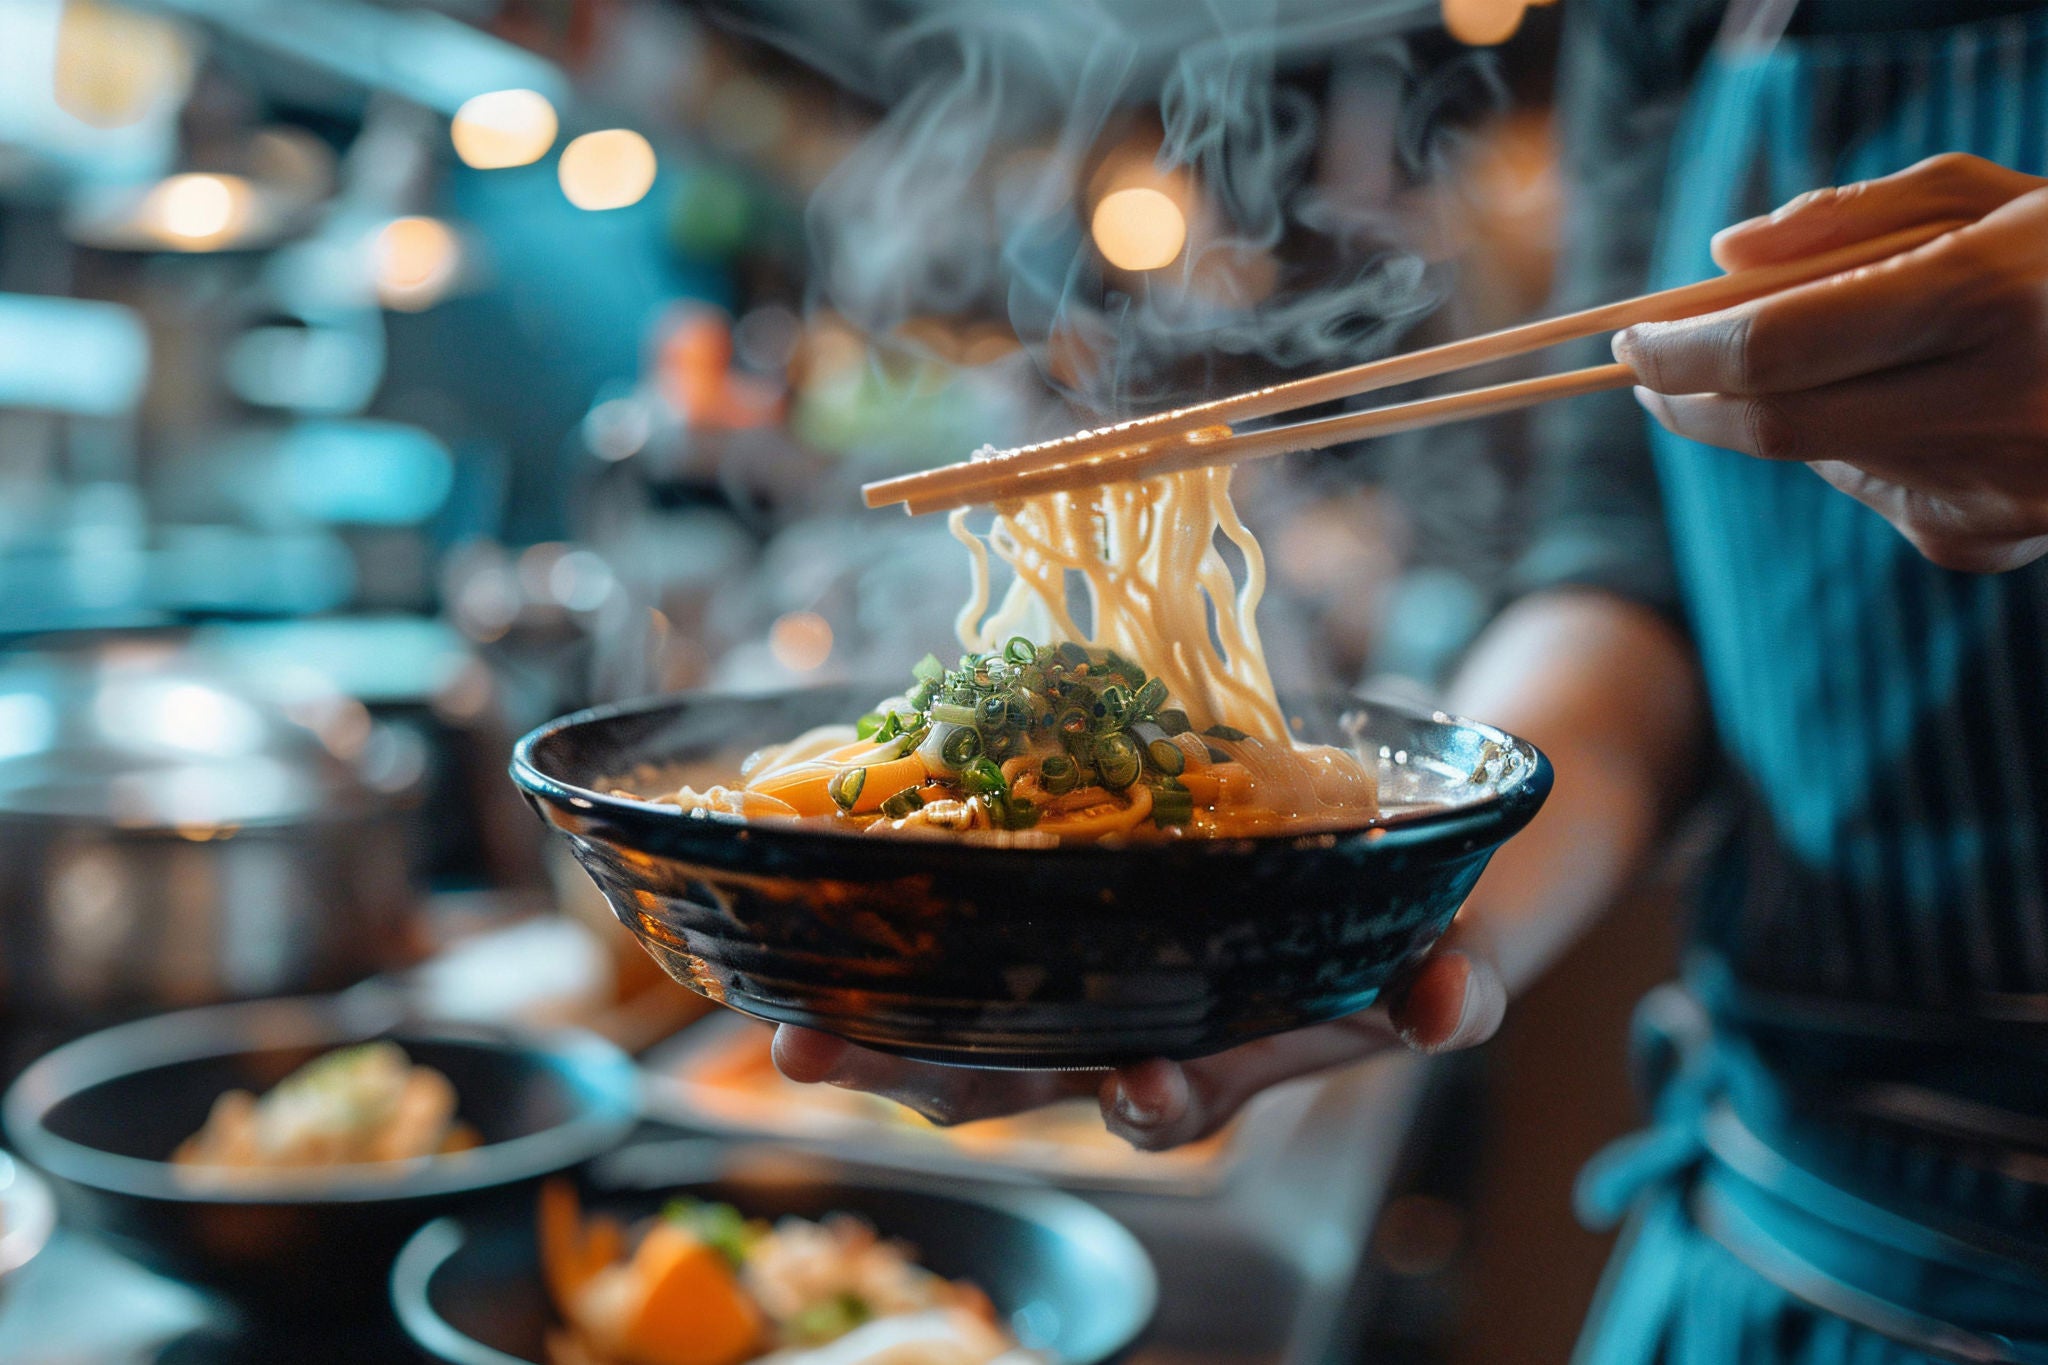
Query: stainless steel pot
x,y
172,833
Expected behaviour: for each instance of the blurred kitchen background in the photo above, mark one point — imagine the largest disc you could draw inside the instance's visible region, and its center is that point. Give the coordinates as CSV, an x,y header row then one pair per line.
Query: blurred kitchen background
x,y
380,379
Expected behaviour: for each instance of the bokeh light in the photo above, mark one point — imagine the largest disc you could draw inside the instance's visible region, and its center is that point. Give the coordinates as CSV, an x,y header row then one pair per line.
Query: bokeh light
x,y
610,169
195,212
1483,23
1139,228
801,641
416,263
504,128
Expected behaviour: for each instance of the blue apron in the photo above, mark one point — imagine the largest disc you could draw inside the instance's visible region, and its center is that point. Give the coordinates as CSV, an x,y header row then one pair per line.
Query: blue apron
x,y
1850,1159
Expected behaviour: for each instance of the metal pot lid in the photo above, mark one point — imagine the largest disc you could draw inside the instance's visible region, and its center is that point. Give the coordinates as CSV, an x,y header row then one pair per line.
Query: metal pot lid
x,y
143,733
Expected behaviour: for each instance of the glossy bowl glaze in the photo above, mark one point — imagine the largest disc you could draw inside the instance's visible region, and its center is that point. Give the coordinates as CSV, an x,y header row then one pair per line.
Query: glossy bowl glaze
x,y
965,951
102,1116
1072,1281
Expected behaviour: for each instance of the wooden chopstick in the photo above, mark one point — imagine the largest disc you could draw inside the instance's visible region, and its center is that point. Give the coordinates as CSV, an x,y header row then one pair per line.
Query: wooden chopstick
x,y
977,480
1192,452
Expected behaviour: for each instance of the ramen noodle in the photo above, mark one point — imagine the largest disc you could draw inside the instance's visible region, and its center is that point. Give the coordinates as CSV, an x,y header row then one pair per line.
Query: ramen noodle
x,y
1116,688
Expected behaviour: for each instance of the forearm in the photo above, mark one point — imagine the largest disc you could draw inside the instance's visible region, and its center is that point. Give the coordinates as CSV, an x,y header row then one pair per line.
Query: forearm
x,y
1610,691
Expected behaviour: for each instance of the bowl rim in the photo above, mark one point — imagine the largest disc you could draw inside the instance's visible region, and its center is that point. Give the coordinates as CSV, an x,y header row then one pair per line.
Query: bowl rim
x,y
690,1161
605,1077
1530,783
32,1214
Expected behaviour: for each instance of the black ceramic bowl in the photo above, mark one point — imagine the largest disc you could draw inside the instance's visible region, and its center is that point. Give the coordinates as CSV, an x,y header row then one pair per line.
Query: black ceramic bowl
x,y
103,1114
972,953
1072,1281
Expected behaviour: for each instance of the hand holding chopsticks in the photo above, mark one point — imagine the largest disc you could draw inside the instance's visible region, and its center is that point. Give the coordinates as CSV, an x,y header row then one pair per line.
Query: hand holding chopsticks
x,y
1188,438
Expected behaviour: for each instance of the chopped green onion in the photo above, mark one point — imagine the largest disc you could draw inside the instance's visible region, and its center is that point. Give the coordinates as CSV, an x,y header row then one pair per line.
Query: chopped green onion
x,y
844,788
1164,754
1117,760
949,713
1072,721
1059,774
1020,650
1010,812
1151,697
960,747
1174,721
1031,678
903,803
1229,732
908,741
867,726
922,695
891,726
981,777
1172,804
1118,664
1073,655
993,714
721,1227
1113,704
929,670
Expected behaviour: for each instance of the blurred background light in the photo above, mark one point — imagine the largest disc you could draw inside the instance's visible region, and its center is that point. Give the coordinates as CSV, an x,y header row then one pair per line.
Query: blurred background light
x,y
417,259
1139,229
197,212
114,67
1483,23
611,169
71,355
801,641
504,128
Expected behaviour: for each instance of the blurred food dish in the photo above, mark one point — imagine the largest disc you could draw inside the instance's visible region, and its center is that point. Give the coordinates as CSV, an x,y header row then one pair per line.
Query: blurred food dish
x,y
364,1107
105,1114
1069,1282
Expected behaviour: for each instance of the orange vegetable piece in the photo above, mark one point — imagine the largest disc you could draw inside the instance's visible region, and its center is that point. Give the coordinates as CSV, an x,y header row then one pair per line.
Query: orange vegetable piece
x,y
687,1306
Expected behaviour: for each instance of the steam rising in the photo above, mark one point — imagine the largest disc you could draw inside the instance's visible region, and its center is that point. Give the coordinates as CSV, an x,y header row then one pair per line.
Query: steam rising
x,y
964,199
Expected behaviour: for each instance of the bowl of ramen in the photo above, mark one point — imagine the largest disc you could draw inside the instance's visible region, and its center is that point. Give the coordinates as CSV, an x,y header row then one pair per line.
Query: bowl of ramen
x,y
281,1151
686,1255
1094,837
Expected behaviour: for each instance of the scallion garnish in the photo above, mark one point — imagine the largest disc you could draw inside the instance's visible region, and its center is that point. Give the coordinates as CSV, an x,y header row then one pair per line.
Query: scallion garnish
x,y
903,803
1020,650
1059,774
1174,721
982,777
867,726
951,713
844,788
1172,804
1229,732
1150,697
993,714
929,670
1117,760
1160,751
961,745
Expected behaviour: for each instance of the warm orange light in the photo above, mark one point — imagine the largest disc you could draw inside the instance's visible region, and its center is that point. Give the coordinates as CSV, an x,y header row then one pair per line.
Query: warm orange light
x,y
503,128
197,211
1483,23
1138,228
114,67
800,640
416,263
607,170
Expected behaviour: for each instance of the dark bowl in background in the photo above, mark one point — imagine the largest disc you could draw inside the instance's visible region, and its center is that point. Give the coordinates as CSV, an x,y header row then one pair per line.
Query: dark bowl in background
x,y
1071,1280
964,951
102,1116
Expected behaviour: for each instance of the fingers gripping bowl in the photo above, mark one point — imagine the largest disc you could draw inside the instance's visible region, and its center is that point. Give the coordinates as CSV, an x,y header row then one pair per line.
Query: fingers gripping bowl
x,y
976,951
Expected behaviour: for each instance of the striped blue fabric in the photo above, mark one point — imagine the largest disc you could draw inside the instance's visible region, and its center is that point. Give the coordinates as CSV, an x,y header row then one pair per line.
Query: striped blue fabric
x,y
1889,718
1892,717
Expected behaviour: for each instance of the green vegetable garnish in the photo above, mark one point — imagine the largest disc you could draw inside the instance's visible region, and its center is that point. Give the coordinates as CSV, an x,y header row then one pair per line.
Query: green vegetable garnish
x,y
1172,804
1229,732
960,747
844,788
1059,774
982,777
1020,650
1117,760
903,803
830,1320
1160,751
721,1227
867,726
